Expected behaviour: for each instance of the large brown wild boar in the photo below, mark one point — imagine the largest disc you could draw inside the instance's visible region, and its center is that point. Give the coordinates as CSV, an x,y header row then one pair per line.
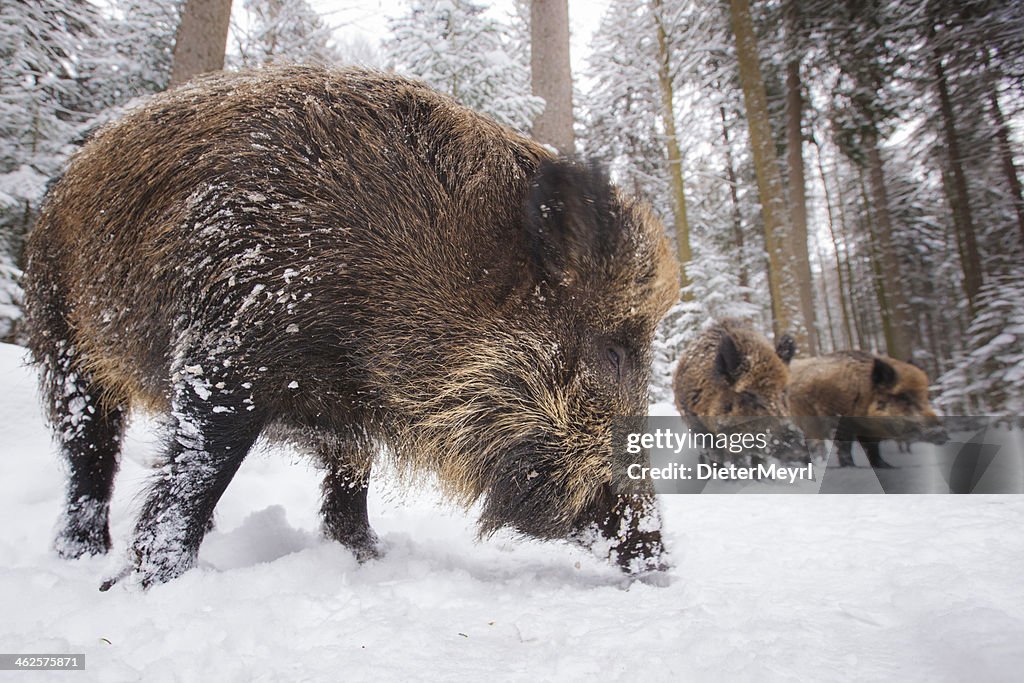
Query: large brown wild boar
x,y
730,379
875,397
350,261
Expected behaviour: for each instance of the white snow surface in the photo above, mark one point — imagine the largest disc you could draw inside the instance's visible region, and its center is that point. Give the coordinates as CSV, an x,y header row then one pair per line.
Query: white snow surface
x,y
789,588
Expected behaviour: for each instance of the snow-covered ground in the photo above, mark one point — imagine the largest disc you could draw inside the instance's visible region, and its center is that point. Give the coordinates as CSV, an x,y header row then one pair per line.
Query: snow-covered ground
x,y
808,588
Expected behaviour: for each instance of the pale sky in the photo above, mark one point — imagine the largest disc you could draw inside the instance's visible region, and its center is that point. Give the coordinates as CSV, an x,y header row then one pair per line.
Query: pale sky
x,y
368,19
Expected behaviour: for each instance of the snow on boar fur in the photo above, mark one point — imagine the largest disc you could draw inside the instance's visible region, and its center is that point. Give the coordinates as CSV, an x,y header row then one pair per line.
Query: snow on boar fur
x,y
731,380
876,396
353,262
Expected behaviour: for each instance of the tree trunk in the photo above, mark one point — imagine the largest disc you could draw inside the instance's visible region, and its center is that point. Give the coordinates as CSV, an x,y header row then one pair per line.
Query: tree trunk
x,y
551,73
737,215
827,304
936,367
1006,158
970,259
877,273
899,339
843,289
797,191
675,157
885,264
856,315
201,39
786,314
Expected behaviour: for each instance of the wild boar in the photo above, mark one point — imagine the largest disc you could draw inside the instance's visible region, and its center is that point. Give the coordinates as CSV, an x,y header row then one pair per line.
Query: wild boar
x,y
731,379
871,397
352,262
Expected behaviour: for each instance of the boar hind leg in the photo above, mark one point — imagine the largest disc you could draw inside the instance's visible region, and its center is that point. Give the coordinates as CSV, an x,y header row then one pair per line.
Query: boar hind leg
x,y
874,454
343,511
89,426
212,431
844,449
843,440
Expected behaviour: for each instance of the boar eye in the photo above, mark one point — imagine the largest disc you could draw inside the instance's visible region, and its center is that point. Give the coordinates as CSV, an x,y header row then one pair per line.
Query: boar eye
x,y
750,400
615,358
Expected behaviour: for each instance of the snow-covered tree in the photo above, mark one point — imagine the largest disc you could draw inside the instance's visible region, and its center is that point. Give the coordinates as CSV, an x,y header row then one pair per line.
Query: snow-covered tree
x,y
43,59
644,55
283,31
455,47
141,46
623,105
988,374
63,66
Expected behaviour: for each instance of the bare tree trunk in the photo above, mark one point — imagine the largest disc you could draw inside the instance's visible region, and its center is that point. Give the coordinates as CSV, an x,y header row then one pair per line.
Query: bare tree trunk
x,y
898,334
551,73
877,273
856,315
835,249
1006,157
737,216
797,191
936,366
201,39
884,266
827,303
675,157
970,259
786,313
957,234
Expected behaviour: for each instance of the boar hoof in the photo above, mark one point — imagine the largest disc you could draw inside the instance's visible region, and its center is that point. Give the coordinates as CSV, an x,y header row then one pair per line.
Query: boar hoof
x,y
109,583
641,564
84,530
366,549
75,542
659,579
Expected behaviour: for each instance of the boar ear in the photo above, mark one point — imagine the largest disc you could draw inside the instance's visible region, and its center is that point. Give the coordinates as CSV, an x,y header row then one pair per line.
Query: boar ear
x,y
785,348
728,360
568,218
882,374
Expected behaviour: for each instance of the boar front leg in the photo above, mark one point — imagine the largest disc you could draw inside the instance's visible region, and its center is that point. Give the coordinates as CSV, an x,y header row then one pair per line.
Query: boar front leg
x,y
212,431
874,454
843,439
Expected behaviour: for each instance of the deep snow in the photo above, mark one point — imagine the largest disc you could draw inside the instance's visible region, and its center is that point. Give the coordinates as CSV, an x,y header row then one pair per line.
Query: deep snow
x,y
810,588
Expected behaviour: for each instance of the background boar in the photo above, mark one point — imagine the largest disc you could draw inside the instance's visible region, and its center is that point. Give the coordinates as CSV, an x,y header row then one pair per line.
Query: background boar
x,y
350,261
876,397
730,379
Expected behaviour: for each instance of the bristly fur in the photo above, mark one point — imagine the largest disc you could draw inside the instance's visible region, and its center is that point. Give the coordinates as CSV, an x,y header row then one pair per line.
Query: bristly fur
x,y
349,260
892,395
726,361
858,383
731,373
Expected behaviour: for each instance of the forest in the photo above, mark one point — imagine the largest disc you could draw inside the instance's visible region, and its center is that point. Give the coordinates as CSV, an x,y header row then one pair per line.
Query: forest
x,y
846,172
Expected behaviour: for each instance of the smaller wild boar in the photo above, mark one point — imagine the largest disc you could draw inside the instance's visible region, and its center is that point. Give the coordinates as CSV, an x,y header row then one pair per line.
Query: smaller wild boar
x,y
731,379
876,397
